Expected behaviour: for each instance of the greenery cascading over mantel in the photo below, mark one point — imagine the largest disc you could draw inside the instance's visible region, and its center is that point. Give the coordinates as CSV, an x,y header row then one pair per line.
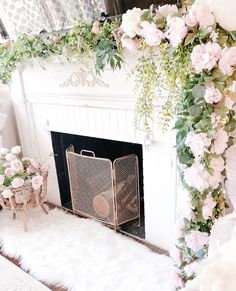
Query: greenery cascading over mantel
x,y
189,55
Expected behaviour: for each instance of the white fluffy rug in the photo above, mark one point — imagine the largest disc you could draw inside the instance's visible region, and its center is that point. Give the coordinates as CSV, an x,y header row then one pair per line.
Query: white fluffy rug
x,y
13,278
83,255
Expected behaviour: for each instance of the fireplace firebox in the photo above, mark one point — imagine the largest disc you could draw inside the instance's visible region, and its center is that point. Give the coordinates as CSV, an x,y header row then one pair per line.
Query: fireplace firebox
x,y
117,201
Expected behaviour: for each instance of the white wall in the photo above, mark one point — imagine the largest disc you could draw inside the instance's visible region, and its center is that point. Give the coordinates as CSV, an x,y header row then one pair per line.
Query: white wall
x,y
9,133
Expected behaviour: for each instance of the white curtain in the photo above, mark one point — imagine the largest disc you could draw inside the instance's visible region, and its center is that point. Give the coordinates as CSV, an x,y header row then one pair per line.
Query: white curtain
x,y
33,16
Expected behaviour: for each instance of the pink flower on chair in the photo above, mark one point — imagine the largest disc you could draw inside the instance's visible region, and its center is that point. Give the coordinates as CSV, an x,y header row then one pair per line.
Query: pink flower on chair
x,y
212,94
16,150
17,182
9,172
17,166
220,142
7,193
207,207
37,181
10,157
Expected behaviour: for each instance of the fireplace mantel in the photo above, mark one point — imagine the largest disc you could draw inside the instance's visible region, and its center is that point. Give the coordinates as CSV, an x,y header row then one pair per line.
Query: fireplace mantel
x,y
71,98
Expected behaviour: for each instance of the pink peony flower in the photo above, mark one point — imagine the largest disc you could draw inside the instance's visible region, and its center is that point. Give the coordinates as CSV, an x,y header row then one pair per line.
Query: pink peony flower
x,y
166,10
228,102
131,22
30,170
2,179
179,283
3,151
16,150
177,30
205,56
96,27
192,268
130,43
197,177
10,157
176,255
228,60
17,182
207,207
7,193
153,36
220,142
34,163
37,181
198,143
201,15
215,179
217,164
212,94
9,172
196,240
17,166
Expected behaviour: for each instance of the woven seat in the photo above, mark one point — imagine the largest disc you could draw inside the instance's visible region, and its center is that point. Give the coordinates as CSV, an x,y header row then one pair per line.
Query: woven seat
x,y
24,198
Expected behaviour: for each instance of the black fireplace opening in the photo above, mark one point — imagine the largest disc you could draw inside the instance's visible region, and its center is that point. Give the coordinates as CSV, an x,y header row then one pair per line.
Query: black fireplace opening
x,y
103,148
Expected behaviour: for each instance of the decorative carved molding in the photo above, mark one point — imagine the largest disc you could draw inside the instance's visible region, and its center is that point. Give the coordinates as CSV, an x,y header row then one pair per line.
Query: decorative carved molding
x,y
84,77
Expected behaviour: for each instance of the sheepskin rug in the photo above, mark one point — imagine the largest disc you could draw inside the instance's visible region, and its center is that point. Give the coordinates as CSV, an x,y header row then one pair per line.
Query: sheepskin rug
x,y
82,255
13,278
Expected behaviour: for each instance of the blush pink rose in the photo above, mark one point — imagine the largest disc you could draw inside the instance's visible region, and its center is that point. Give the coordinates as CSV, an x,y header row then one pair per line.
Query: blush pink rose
x,y
228,60
228,102
10,157
166,10
9,172
196,240
212,94
200,14
131,22
217,164
37,181
30,170
192,268
152,35
7,193
197,177
34,163
17,166
198,143
207,207
16,150
96,27
220,142
215,179
3,151
177,30
17,182
205,56
2,179
132,44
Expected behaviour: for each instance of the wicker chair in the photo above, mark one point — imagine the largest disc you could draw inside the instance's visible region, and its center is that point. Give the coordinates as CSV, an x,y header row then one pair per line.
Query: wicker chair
x,y
24,198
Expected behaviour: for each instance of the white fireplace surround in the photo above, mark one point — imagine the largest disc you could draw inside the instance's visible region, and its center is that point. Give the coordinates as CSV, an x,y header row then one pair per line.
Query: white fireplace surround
x,y
70,98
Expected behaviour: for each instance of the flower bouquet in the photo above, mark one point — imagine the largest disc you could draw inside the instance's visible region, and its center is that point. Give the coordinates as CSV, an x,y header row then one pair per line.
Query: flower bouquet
x,y
23,182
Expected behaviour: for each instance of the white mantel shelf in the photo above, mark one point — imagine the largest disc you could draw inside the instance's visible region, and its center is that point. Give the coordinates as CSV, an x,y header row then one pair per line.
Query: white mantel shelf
x,y
70,98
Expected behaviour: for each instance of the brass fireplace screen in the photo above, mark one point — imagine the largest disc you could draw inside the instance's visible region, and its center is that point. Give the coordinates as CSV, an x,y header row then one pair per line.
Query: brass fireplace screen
x,y
102,190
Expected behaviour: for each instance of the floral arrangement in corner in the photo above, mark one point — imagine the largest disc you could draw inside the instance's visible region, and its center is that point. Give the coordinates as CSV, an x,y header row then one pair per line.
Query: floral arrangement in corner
x,y
188,54
17,172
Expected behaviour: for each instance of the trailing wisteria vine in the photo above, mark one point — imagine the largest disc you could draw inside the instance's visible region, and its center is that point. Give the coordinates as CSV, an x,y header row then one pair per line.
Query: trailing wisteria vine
x,y
189,55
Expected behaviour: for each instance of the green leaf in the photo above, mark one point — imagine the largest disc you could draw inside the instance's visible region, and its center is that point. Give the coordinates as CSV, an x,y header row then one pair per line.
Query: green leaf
x,y
189,39
198,91
195,111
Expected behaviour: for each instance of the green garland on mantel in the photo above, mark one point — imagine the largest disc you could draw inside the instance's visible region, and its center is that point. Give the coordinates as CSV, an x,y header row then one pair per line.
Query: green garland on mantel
x,y
187,57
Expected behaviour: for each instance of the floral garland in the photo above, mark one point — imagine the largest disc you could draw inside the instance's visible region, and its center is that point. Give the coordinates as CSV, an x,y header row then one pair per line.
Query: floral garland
x,y
191,59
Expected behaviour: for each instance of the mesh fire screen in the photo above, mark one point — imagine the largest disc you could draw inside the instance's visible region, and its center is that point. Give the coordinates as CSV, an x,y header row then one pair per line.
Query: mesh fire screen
x,y
104,191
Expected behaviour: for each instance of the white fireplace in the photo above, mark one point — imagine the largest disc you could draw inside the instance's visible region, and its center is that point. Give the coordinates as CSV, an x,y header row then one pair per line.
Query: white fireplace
x,y
70,98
